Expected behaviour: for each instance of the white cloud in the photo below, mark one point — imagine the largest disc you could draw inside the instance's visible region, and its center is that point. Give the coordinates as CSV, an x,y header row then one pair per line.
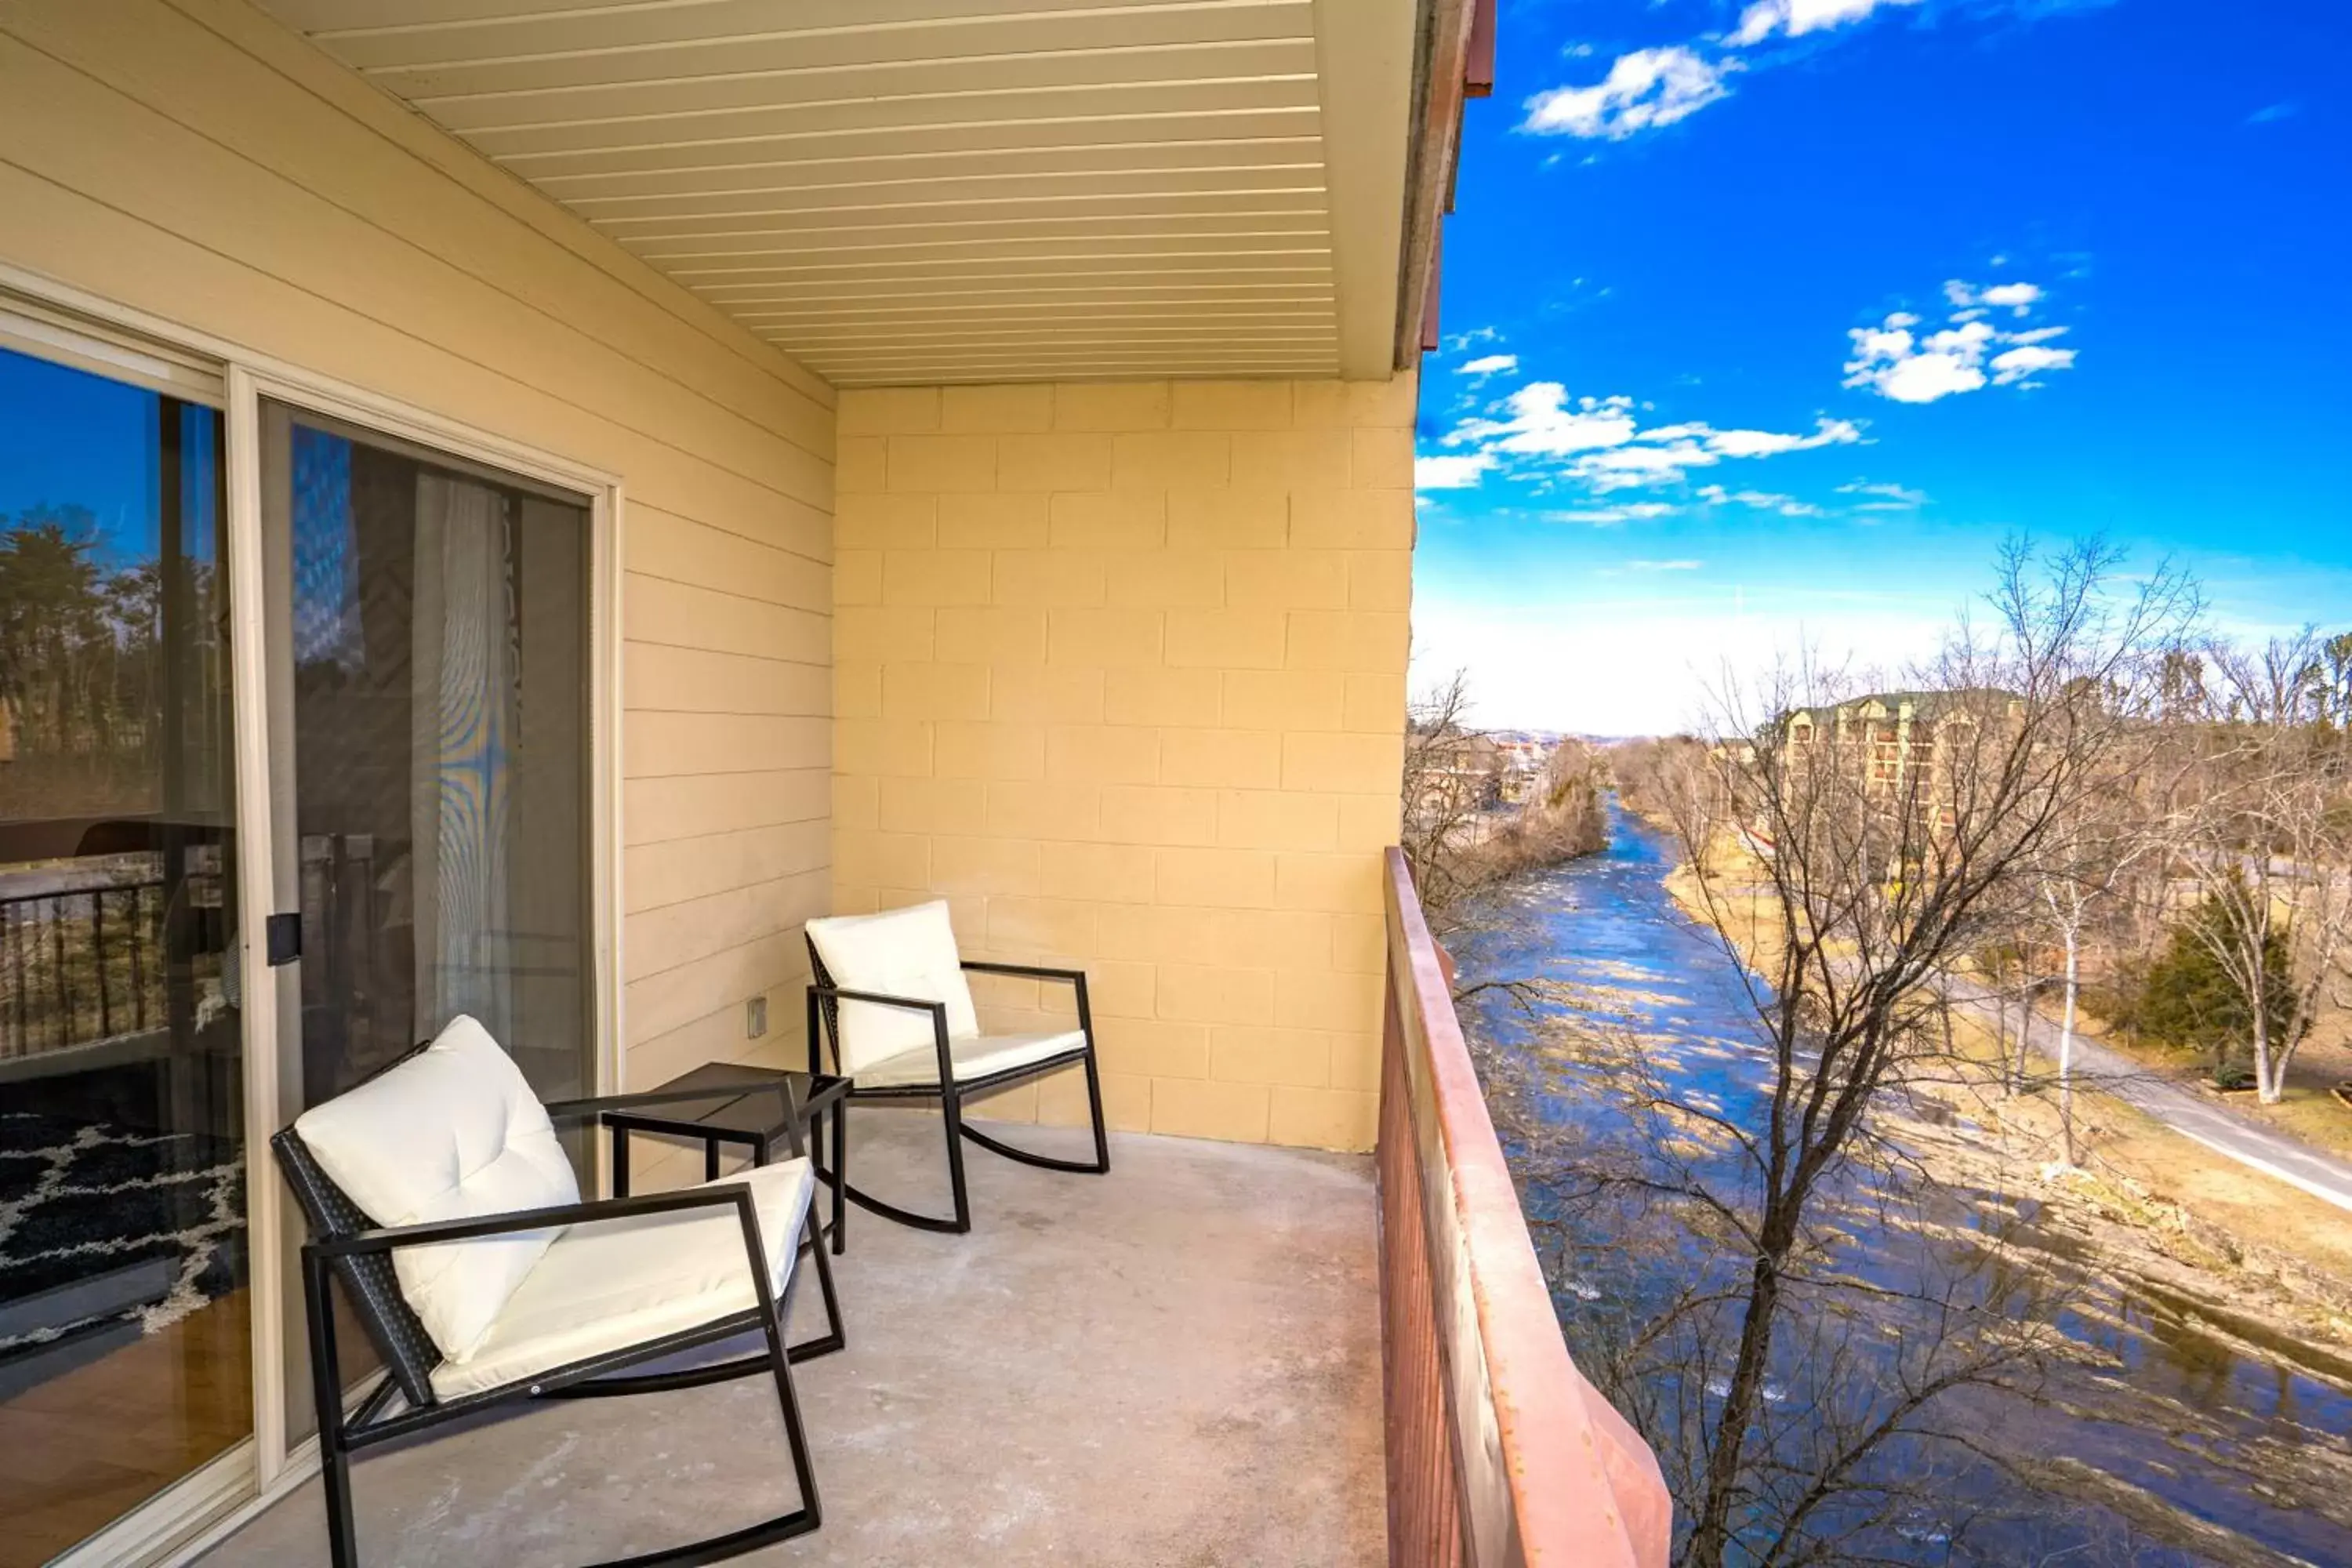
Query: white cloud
x,y
2018,297
1898,362
1885,496
1664,565
1604,447
1643,91
1490,365
1604,516
1620,467
2014,367
1762,501
1544,423
1460,473
1661,456
1798,17
1921,378
1769,443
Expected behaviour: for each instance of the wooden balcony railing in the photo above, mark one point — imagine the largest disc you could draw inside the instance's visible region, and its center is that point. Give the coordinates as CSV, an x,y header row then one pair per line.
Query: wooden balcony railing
x,y
1499,1453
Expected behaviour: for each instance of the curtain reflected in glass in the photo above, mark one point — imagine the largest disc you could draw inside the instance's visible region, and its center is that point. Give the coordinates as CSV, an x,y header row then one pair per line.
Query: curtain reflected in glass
x,y
434,803
440,712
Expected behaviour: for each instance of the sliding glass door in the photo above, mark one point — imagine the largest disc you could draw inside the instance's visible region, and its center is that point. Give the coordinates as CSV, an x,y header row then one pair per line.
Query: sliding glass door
x,y
299,758
427,622
125,1345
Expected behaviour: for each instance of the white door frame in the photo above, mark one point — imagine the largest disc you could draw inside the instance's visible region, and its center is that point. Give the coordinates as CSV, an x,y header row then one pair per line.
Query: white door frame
x,y
257,873
203,1508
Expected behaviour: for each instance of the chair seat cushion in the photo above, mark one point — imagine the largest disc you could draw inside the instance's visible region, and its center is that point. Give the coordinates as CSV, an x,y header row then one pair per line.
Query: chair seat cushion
x,y
976,1057
613,1284
453,1132
909,952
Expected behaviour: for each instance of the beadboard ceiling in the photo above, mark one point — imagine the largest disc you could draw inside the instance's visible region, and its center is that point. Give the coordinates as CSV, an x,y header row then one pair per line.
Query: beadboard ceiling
x,y
907,191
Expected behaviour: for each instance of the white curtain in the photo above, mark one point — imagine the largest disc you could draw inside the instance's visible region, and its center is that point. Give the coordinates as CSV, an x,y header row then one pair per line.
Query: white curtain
x,y
464,721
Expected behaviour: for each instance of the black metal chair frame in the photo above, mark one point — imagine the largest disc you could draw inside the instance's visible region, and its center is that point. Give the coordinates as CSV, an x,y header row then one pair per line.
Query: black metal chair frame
x,y
344,1246
824,999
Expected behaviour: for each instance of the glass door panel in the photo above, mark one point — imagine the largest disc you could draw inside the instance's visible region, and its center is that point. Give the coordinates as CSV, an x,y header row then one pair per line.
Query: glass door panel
x,y
430,702
125,1349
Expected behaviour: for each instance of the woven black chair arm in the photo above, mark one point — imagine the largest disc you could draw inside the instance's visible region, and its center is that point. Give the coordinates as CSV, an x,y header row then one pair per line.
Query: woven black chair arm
x,y
389,1237
913,1004
1034,971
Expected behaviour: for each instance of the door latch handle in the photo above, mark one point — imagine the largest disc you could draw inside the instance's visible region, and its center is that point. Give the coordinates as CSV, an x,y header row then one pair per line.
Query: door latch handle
x,y
284,937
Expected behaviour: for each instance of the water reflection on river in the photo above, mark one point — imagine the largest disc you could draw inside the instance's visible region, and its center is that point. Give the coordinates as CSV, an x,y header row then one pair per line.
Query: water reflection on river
x,y
2228,1459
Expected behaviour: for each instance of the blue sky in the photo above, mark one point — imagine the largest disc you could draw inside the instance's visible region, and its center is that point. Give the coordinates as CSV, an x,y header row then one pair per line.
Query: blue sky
x,y
67,438
1765,322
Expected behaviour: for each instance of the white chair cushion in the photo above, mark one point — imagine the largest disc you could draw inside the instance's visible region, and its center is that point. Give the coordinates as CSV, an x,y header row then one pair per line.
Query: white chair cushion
x,y
607,1285
899,952
450,1134
974,1057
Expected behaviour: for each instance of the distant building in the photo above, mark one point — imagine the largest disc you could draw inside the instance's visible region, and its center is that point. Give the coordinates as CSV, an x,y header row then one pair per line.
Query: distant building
x,y
1523,761
1904,742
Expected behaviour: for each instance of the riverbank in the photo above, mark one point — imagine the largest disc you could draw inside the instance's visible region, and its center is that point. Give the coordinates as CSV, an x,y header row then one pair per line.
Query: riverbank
x,y
2168,1423
1534,836
2157,1208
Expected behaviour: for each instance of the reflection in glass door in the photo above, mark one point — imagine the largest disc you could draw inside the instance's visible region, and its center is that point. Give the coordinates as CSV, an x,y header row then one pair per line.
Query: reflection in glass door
x,y
430,696
124,1321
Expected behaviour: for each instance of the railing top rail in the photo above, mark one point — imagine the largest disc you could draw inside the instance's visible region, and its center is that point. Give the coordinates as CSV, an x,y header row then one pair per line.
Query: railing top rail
x,y
78,889
1585,1490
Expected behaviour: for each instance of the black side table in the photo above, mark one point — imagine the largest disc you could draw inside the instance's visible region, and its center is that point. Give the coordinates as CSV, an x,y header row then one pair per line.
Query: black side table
x,y
745,1108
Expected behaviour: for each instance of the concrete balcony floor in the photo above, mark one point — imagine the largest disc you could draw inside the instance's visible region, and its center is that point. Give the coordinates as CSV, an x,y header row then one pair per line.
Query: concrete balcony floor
x,y
1178,1363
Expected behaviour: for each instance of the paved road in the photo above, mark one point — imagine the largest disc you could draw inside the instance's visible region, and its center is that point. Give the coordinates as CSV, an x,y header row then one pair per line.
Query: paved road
x,y
2188,1111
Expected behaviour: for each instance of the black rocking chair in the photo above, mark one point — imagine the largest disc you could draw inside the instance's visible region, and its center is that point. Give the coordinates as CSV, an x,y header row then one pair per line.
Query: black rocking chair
x,y
950,1069
345,1245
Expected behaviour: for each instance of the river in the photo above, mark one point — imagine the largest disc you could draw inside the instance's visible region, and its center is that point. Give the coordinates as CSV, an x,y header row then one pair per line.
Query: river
x,y
2143,1439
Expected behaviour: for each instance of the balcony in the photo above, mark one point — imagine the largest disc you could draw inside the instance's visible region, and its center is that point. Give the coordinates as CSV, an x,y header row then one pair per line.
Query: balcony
x,y
1177,1361
1037,536
1220,1353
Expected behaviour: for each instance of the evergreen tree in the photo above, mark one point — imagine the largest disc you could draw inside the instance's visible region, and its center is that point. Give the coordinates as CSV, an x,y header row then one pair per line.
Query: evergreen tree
x,y
2188,1000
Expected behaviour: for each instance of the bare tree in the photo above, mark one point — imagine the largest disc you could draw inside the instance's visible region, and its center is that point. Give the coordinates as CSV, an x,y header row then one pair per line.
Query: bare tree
x,y
2006,966
2091,850
2263,830
1461,835
1851,1448
1896,831
1444,794
1667,779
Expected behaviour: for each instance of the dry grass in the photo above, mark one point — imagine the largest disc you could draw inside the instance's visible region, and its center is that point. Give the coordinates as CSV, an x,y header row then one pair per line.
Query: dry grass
x,y
2289,1227
2120,1139
2308,1112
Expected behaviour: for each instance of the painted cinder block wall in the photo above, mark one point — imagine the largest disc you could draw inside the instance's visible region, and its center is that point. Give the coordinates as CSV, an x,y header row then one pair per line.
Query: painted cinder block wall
x,y
1120,670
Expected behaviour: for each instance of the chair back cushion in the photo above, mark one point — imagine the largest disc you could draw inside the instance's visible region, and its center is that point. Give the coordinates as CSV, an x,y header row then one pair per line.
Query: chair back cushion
x,y
452,1132
899,953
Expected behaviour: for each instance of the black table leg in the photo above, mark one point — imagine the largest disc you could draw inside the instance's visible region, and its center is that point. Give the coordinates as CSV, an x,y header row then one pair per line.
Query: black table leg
x,y
710,1159
620,1162
840,1114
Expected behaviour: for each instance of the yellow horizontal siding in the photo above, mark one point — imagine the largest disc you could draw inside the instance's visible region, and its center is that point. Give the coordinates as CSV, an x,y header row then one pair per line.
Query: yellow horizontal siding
x,y
194,160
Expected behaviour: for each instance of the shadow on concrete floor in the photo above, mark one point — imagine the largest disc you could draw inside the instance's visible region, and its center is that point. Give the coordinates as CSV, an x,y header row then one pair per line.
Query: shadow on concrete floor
x,y
1177,1363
